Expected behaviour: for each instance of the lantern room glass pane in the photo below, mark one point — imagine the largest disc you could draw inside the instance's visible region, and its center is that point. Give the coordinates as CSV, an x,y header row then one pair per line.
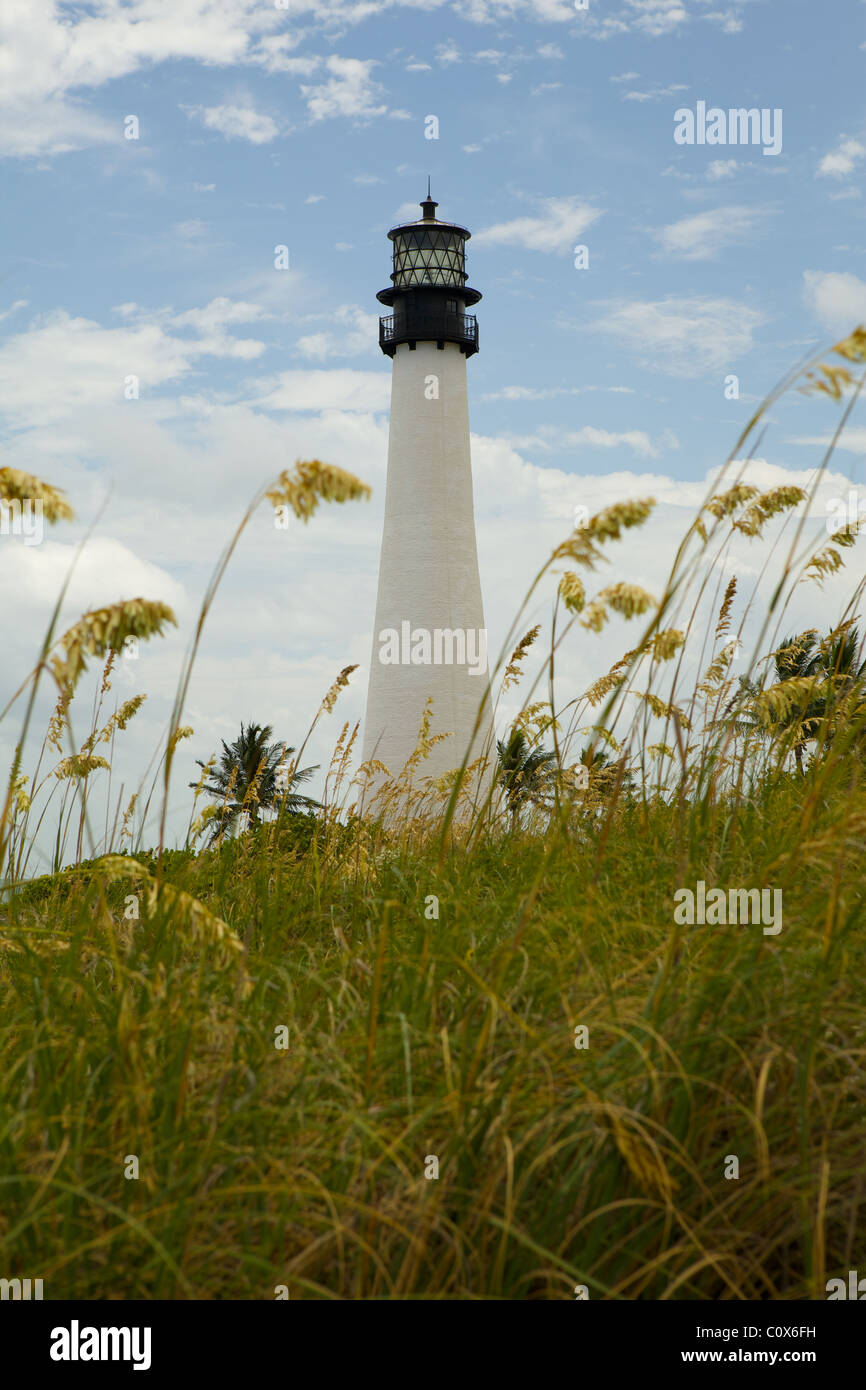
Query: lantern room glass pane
x,y
429,256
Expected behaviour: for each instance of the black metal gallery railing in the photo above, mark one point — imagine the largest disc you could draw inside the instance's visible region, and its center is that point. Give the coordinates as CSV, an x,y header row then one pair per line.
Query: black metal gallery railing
x,y
449,328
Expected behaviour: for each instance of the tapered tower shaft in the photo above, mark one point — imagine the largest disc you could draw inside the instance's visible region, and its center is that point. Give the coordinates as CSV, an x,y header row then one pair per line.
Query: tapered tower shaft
x,y
429,638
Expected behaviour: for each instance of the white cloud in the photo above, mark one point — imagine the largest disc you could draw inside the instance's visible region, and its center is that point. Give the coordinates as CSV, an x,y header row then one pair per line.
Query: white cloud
x,y
87,364
273,53
339,389
842,161
728,20
349,91
837,298
237,123
13,309
359,333
50,126
549,438
853,441
656,93
407,212
686,337
315,198
564,219
213,318
657,17
721,169
192,230
48,51
703,236
107,571
448,53
544,393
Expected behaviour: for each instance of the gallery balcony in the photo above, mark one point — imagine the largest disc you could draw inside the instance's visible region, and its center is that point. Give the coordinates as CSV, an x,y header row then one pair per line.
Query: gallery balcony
x,y
438,327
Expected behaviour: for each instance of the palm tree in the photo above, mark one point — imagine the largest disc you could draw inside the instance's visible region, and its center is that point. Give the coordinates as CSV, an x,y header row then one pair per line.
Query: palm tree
x,y
831,665
524,773
253,776
846,679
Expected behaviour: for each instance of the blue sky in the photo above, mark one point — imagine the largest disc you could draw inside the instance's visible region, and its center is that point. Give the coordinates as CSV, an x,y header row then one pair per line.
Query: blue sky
x,y
260,126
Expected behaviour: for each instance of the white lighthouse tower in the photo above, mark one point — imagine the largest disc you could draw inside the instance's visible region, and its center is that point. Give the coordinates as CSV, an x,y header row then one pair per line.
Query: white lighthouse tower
x,y
429,637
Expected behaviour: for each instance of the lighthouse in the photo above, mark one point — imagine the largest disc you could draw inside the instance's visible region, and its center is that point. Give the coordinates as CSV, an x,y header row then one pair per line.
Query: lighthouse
x,y
429,638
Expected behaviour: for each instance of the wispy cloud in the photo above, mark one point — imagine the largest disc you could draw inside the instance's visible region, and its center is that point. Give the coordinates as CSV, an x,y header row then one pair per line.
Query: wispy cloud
x,y
842,161
545,393
656,93
685,337
836,298
550,439
358,333
349,91
554,232
236,122
703,236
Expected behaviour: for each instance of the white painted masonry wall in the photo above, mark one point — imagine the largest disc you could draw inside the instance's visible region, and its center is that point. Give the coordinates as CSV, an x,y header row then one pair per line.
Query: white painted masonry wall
x,y
428,572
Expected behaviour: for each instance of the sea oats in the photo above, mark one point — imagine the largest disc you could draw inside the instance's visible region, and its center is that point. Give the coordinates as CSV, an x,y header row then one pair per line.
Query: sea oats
x,y
767,505
16,486
57,722
726,503
608,524
18,793
724,619
535,721
827,561
848,535
79,765
629,600
125,832
121,717
369,767
666,644
104,630
660,708
604,734
832,382
853,347
572,592
311,482
339,684
513,670
183,731
717,669
603,686
659,750
192,917
594,616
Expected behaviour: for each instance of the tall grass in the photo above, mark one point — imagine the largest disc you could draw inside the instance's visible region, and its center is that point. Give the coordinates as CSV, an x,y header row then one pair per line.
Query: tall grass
x,y
427,980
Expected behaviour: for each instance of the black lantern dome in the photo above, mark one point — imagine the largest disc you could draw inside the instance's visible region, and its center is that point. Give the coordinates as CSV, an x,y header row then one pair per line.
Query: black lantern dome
x,y
428,290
